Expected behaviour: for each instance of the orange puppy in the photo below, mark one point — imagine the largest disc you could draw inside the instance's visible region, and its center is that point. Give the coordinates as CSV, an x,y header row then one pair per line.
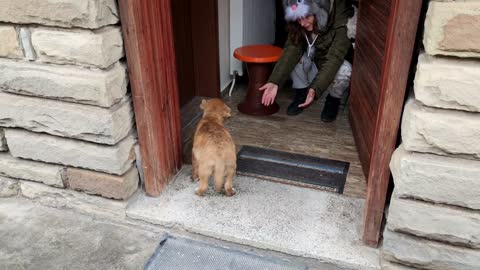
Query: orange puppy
x,y
213,150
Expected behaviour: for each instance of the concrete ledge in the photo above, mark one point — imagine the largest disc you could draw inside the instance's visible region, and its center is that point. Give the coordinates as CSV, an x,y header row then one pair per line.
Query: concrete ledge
x,y
94,124
423,254
386,265
69,199
292,220
451,28
49,174
8,187
105,185
99,48
450,83
436,178
443,132
64,13
436,222
96,87
10,45
116,159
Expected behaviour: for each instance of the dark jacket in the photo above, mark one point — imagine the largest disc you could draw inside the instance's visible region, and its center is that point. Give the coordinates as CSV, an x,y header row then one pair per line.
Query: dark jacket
x,y
331,47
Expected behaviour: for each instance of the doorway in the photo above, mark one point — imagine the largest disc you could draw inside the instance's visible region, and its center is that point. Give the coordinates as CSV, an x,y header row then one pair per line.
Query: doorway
x,y
378,88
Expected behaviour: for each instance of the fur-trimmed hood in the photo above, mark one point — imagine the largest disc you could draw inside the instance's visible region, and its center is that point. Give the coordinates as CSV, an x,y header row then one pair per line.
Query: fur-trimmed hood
x,y
297,9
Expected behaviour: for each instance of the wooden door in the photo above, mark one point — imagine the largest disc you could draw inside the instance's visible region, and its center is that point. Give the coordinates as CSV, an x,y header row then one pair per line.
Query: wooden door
x,y
386,31
195,30
148,38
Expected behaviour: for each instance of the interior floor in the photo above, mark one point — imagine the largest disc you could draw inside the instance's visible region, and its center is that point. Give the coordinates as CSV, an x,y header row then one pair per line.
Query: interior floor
x,y
303,134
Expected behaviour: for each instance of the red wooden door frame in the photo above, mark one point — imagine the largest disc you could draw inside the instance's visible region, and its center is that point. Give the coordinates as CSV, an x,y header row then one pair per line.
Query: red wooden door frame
x,y
399,46
148,36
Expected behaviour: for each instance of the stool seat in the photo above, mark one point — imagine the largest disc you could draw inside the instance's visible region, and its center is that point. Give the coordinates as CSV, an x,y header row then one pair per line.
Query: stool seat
x,y
258,53
259,60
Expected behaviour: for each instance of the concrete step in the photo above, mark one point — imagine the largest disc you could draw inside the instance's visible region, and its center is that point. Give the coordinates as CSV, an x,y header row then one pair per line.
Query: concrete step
x,y
266,215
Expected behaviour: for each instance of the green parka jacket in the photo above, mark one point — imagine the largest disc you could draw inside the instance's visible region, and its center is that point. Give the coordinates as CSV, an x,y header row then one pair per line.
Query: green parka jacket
x,y
331,47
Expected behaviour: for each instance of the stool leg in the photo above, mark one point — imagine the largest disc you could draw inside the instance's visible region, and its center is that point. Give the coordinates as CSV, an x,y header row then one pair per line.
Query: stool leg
x,y
252,105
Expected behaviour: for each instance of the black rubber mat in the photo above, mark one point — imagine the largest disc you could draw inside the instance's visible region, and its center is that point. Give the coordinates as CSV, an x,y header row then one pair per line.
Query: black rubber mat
x,y
184,254
293,168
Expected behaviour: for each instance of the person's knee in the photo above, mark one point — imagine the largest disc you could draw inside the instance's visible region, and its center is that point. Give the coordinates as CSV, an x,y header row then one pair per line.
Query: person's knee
x,y
345,72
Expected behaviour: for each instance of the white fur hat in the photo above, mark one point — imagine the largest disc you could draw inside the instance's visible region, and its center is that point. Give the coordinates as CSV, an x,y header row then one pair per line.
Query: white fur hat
x,y
297,9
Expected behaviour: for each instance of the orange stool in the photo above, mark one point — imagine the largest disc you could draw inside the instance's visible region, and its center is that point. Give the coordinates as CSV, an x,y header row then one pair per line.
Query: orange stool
x,y
259,59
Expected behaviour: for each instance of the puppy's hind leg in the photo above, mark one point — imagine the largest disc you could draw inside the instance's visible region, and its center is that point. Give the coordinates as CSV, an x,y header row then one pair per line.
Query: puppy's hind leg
x,y
229,191
194,168
219,177
204,172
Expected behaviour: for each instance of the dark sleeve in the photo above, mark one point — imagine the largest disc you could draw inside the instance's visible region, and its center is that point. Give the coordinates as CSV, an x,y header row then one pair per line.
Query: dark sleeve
x,y
330,63
291,55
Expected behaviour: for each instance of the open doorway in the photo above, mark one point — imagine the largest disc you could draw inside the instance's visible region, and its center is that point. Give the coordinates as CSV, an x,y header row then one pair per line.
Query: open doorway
x,y
386,29
363,135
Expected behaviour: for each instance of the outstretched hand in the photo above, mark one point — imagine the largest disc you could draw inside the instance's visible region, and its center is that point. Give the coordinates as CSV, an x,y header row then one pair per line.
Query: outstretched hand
x,y
269,94
309,99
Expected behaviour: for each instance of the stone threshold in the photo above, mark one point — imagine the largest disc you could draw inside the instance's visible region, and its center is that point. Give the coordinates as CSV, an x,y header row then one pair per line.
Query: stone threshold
x,y
292,220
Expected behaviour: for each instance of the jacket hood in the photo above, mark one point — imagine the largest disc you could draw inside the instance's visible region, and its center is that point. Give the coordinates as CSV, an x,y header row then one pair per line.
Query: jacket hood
x,y
297,9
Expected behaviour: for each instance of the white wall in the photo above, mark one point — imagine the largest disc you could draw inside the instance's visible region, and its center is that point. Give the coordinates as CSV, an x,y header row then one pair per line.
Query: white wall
x,y
251,22
224,42
242,22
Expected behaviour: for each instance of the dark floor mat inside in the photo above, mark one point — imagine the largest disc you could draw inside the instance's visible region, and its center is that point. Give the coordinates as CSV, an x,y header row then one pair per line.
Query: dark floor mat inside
x,y
184,254
293,168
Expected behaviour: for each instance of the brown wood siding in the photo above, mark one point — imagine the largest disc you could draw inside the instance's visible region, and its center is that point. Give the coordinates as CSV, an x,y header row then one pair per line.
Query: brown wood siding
x,y
385,41
367,73
148,35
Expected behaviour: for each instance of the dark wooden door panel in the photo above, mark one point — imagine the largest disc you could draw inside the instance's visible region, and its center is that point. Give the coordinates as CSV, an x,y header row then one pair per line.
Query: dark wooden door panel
x,y
195,25
367,73
386,31
206,47
183,49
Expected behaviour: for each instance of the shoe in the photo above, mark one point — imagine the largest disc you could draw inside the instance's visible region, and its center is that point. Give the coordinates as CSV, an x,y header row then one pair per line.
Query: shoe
x,y
330,111
300,96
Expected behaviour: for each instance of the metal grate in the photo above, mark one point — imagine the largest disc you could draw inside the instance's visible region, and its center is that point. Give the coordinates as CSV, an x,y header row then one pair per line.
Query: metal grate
x,y
184,254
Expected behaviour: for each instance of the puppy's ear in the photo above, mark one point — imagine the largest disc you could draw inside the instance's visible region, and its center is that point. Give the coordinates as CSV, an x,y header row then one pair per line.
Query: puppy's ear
x,y
227,112
203,104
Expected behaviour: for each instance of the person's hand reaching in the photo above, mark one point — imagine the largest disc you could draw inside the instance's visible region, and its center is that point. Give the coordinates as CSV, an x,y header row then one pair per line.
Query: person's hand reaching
x,y
269,94
309,99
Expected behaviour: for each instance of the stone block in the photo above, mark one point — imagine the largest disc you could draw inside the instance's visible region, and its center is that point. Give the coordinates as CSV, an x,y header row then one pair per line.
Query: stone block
x,y
3,141
106,185
69,199
386,265
116,159
10,45
451,83
453,28
8,187
438,131
424,254
64,13
436,222
74,84
84,122
435,178
49,174
99,48
25,37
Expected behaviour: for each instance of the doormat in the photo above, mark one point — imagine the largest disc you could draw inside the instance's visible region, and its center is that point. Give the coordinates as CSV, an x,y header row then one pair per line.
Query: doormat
x,y
184,254
294,169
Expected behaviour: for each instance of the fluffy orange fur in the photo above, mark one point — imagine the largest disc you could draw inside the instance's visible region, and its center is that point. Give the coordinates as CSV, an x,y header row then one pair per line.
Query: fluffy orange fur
x,y
213,150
